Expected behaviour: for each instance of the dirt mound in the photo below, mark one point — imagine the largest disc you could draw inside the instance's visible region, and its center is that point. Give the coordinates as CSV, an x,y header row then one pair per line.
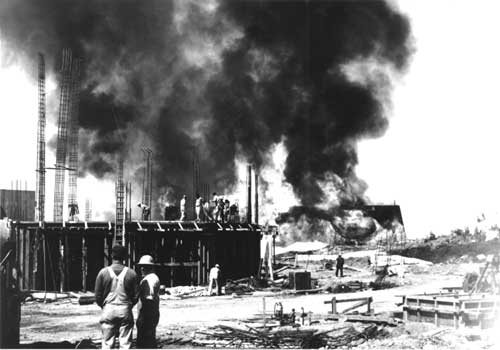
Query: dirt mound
x,y
446,249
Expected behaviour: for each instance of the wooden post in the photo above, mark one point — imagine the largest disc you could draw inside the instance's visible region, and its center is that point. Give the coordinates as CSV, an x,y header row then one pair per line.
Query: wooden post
x,y
199,261
436,321
405,309
334,305
419,315
44,262
264,312
84,264
61,265
369,305
66,261
455,323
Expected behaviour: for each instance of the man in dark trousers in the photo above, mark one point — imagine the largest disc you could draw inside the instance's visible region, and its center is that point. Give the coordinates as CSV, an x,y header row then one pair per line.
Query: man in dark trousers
x,y
149,305
116,292
340,266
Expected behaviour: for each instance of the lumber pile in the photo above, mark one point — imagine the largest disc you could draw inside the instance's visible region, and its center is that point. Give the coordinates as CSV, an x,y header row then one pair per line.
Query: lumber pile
x,y
330,335
242,287
82,298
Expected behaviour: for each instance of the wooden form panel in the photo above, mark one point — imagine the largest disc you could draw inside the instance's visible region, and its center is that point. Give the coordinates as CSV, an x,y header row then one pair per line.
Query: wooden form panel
x,y
450,311
59,260
185,257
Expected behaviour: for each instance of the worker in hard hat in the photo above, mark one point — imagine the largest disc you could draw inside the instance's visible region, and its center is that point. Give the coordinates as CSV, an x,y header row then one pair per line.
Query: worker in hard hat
x,y
116,293
214,278
149,306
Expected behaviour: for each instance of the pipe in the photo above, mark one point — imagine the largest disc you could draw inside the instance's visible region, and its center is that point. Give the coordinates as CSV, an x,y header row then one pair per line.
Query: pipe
x,y
256,194
249,193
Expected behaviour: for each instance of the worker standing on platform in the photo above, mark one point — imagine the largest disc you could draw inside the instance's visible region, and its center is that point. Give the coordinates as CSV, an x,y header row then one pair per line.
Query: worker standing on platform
x,y
213,206
340,266
198,206
220,210
145,211
183,208
116,293
214,277
149,306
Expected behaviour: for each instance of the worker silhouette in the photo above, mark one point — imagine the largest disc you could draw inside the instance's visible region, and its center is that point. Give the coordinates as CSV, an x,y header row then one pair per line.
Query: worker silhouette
x,y
340,266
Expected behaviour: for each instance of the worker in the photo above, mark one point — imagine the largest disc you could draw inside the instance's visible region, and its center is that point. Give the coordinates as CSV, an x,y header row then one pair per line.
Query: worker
x,y
220,210
495,262
226,209
213,206
214,277
340,266
116,293
149,304
207,211
73,211
198,206
183,208
145,211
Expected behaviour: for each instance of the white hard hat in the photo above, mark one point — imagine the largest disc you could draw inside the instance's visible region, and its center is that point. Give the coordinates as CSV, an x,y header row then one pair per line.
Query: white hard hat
x,y
146,260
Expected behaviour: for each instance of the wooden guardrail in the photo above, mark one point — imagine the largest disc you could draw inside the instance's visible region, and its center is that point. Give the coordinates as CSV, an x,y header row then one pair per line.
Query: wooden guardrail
x,y
360,302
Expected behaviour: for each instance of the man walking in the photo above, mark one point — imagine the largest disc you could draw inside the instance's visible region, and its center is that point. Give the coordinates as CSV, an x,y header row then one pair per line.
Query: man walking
x,y
214,277
340,266
116,293
149,306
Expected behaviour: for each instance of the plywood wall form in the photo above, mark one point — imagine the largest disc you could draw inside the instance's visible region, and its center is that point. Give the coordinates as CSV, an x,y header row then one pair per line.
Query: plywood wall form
x,y
64,257
185,251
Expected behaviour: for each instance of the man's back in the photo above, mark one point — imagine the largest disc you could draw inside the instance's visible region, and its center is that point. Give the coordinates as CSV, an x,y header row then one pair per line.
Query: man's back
x,y
214,273
104,282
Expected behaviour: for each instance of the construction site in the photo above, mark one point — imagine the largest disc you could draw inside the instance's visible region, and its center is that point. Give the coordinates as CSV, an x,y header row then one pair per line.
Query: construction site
x,y
306,261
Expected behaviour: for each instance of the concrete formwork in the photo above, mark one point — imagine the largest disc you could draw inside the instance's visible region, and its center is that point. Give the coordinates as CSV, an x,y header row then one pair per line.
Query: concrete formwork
x,y
67,256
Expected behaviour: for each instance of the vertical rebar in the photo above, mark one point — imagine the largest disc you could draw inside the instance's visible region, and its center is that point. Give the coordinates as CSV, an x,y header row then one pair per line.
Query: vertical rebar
x,y
40,168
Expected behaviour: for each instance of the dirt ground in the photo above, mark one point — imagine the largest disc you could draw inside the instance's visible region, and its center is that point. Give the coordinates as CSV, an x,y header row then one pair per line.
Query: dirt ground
x,y
65,320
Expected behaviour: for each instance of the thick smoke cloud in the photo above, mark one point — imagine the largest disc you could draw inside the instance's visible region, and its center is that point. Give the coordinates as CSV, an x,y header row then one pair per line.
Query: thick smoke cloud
x,y
232,78
285,78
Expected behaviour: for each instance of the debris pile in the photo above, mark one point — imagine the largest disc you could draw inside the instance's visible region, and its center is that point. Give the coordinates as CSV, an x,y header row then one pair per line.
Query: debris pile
x,y
184,292
328,335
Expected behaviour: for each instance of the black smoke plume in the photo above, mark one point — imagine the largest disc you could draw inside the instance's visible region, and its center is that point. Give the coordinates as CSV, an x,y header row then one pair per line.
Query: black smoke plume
x,y
284,78
230,78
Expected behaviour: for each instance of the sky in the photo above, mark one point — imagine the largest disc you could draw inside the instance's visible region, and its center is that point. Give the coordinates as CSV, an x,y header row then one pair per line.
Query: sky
x,y
438,159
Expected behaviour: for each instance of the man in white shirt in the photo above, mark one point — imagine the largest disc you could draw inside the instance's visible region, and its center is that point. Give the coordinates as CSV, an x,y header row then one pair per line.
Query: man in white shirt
x,y
149,306
214,277
198,206
183,208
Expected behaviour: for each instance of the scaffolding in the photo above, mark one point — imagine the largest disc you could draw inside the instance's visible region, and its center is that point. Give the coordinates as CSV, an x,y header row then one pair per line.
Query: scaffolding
x,y
119,216
73,140
40,169
62,134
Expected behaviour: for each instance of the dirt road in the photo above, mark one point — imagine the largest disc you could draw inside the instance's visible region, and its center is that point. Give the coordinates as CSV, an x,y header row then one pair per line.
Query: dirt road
x,y
66,321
